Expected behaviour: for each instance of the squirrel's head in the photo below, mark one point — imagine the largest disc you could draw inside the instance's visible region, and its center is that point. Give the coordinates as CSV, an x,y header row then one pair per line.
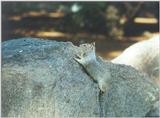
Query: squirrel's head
x,y
87,54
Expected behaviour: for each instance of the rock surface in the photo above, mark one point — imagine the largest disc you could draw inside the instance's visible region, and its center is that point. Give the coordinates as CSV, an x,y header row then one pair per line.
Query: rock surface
x,y
41,79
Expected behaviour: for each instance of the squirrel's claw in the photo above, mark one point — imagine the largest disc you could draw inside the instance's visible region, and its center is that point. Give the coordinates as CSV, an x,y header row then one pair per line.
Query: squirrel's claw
x,y
77,58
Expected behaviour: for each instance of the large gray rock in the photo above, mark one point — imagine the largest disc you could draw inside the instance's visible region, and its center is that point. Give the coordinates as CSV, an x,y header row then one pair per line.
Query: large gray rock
x,y
40,78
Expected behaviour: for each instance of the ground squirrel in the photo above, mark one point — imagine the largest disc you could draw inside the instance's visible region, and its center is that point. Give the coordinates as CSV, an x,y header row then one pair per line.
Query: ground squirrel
x,y
128,85
87,58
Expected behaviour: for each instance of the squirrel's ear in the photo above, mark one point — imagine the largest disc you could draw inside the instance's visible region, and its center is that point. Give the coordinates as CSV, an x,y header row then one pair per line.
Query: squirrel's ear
x,y
93,43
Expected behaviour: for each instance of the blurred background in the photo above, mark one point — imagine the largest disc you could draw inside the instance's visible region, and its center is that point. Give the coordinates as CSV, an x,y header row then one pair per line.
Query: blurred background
x,y
114,26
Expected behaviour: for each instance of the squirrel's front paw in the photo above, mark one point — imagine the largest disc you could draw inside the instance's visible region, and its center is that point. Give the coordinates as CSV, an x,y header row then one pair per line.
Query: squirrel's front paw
x,y
78,58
